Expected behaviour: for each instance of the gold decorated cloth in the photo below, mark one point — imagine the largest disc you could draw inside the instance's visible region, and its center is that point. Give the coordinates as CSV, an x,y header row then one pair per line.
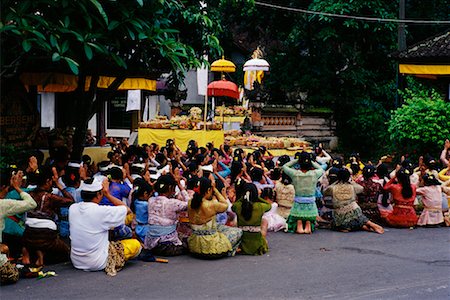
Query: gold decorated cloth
x,y
181,136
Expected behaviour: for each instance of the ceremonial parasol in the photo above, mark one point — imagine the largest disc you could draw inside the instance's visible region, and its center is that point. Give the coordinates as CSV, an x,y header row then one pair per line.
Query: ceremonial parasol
x,y
254,69
256,64
223,65
223,88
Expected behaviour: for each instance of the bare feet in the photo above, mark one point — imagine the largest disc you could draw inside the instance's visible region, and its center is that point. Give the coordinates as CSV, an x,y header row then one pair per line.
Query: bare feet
x,y
300,227
40,259
378,229
300,230
308,229
25,257
371,226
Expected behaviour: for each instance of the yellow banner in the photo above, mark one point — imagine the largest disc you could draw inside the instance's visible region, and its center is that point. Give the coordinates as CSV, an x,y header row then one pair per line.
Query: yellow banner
x,y
424,69
60,83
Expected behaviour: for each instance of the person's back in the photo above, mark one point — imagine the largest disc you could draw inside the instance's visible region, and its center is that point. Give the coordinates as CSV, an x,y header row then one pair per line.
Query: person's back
x,y
249,211
304,209
207,211
343,194
403,194
141,210
304,181
259,208
89,225
432,201
117,189
396,190
164,211
285,195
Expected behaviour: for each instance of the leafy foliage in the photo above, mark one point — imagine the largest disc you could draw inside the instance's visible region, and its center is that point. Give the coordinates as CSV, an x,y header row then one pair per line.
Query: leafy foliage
x,y
344,65
368,128
421,123
91,36
118,38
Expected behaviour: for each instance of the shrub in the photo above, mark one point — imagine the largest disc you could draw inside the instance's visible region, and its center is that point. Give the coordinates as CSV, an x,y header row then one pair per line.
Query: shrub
x,y
421,124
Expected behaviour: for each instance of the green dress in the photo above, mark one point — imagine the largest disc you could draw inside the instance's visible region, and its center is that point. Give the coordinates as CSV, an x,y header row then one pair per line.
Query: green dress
x,y
252,243
304,207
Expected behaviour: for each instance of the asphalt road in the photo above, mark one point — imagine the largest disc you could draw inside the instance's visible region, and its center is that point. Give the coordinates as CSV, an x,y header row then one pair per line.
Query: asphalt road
x,y
401,264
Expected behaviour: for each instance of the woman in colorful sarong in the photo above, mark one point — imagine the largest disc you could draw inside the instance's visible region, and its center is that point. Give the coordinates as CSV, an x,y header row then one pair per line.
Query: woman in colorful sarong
x,y
209,240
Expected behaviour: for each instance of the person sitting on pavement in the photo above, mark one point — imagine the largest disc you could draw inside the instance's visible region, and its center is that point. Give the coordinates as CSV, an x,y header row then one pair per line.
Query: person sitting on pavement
x,y
403,196
8,272
432,195
275,222
304,211
260,180
15,224
139,206
163,213
250,210
121,191
368,199
347,214
40,238
209,240
89,227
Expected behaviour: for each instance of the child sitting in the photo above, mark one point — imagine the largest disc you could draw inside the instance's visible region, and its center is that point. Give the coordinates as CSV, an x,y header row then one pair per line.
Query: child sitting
x,y
275,222
432,200
139,206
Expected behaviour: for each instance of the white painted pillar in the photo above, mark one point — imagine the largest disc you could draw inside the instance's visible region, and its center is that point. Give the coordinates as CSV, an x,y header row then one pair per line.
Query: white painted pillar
x,y
48,110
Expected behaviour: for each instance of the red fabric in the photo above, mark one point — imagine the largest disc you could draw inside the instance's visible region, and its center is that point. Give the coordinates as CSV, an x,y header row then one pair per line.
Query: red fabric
x,y
403,214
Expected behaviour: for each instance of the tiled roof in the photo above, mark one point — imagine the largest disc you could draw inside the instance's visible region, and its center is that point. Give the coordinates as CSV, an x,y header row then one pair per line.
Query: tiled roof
x,y
433,47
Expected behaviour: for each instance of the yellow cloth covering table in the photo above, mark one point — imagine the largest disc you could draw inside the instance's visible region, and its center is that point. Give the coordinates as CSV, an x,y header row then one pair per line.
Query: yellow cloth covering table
x,y
229,119
274,152
96,153
181,136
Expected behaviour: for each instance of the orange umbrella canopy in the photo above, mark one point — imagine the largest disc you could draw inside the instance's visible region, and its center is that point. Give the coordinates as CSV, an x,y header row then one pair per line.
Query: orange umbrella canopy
x,y
223,65
223,88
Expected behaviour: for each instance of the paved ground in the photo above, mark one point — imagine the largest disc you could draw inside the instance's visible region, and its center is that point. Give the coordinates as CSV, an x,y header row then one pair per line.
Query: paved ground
x,y
401,264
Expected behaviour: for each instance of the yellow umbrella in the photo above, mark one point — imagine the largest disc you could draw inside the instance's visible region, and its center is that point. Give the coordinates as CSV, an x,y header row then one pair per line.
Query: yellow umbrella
x,y
223,65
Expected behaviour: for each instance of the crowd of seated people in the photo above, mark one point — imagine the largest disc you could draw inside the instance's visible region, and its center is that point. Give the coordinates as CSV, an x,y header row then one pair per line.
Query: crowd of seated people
x,y
208,202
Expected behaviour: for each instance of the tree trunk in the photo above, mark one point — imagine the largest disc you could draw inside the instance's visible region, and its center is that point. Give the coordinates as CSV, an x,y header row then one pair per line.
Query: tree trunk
x,y
88,104
84,101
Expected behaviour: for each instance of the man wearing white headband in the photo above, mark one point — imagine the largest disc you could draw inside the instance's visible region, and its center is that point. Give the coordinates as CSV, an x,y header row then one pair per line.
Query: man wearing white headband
x,y
89,226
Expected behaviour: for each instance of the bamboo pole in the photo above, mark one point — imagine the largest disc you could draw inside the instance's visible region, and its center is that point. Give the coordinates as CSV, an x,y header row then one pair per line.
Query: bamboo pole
x,y
205,112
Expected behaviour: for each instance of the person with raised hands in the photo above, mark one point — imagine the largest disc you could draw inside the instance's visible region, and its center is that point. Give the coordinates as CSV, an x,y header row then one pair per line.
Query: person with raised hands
x,y
304,210
347,215
8,272
250,209
403,196
89,229
432,198
208,239
40,238
163,214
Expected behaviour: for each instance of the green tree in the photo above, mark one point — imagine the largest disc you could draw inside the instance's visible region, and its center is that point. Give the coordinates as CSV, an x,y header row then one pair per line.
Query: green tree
x,y
118,38
421,124
342,64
